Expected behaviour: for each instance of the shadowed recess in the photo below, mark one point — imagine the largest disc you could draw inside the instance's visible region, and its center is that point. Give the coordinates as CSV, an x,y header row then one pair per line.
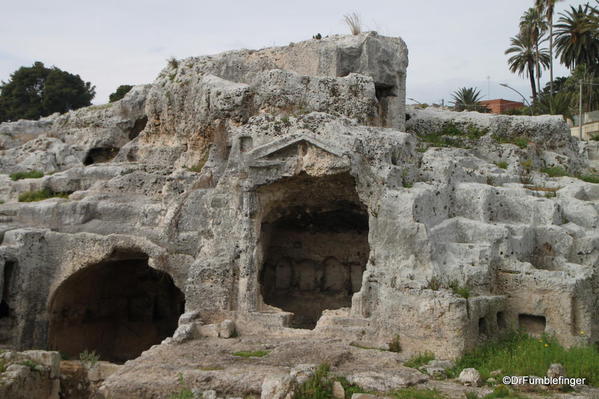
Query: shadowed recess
x,y
315,242
119,308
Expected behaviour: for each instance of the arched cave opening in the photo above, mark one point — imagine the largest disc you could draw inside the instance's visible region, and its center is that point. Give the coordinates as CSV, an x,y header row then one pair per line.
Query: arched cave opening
x,y
315,246
118,308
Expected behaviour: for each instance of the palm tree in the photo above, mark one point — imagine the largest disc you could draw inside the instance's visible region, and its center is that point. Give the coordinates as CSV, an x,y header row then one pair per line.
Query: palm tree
x,y
534,25
467,98
524,58
546,8
576,37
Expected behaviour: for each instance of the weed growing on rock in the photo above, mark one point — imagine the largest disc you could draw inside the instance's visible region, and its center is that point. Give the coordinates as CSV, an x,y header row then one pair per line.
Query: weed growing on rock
x,y
501,164
33,174
462,291
316,387
434,284
353,22
89,359
184,391
555,171
30,363
173,62
395,345
526,165
420,360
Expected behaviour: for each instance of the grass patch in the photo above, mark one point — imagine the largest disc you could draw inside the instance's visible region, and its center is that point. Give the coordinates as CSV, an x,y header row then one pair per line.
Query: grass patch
x,y
317,387
419,360
590,178
555,171
30,363
462,291
415,393
40,195
520,354
320,385
251,353
349,389
527,165
501,164
32,174
519,141
184,391
450,135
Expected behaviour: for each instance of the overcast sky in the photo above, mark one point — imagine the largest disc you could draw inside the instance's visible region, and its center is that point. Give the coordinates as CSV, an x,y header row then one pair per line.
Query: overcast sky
x,y
451,43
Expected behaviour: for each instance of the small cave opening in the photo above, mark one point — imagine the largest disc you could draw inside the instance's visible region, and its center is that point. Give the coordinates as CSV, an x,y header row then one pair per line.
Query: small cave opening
x,y
501,323
118,308
482,327
532,324
7,281
138,126
100,155
315,247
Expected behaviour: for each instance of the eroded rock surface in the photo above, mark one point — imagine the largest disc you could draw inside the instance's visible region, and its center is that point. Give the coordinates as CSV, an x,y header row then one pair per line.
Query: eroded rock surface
x,y
275,194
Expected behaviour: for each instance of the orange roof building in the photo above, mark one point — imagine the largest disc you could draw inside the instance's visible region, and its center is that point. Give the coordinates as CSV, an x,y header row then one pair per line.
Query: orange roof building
x,y
499,106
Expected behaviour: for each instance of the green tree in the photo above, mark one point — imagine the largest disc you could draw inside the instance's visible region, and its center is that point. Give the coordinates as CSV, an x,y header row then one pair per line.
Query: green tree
x,y
524,58
120,93
534,26
577,37
468,98
36,91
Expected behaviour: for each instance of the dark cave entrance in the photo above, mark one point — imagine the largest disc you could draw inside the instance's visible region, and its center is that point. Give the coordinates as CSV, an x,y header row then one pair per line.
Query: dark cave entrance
x,y
8,305
118,308
315,243
7,281
100,155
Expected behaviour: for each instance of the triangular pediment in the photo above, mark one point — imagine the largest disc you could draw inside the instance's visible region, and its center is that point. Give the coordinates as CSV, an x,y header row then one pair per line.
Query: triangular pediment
x,y
267,151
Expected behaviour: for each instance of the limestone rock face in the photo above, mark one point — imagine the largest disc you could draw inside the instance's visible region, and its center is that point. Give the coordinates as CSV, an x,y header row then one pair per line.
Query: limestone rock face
x,y
275,193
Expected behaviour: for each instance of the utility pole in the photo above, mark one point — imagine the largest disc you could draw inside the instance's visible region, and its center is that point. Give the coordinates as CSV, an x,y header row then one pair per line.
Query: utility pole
x,y
580,111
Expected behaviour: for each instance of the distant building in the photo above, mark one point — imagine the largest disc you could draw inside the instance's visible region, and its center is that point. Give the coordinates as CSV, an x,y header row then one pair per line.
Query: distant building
x,y
590,126
500,106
